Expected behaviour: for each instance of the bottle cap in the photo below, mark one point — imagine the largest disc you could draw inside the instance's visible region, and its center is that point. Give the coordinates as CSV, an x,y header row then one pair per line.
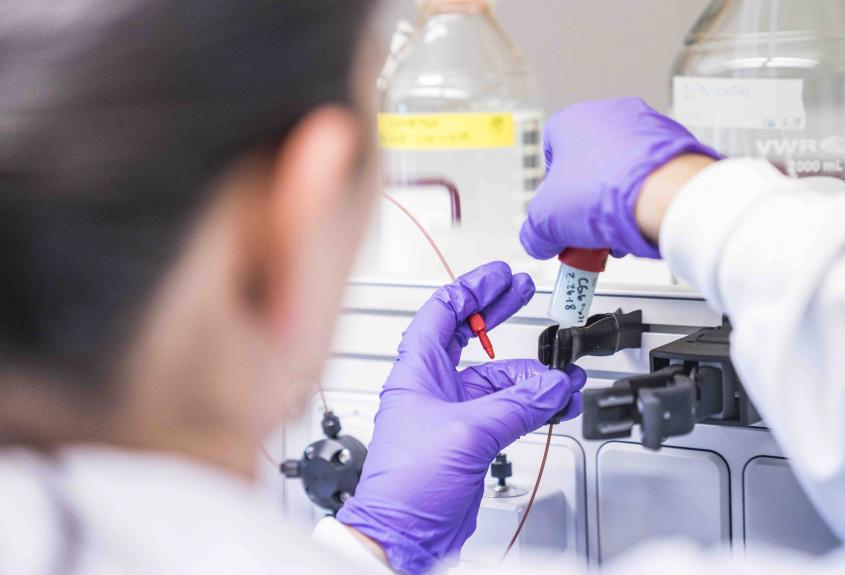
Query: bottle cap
x,y
585,260
439,6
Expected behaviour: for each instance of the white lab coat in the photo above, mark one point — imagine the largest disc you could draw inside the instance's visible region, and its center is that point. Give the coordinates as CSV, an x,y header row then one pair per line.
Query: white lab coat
x,y
767,250
96,510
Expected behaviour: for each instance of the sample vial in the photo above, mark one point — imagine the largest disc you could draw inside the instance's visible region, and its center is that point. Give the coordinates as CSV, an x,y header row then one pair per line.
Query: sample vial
x,y
575,285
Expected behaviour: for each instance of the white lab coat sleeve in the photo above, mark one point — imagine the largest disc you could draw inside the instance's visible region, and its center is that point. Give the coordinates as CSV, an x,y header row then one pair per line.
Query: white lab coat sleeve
x,y
769,251
335,537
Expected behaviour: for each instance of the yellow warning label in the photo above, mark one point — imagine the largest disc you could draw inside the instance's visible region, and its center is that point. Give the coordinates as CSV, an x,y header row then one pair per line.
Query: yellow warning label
x,y
446,131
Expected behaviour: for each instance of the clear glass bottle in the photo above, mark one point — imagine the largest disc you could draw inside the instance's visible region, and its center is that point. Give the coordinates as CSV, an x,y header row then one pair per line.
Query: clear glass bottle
x,y
766,78
460,130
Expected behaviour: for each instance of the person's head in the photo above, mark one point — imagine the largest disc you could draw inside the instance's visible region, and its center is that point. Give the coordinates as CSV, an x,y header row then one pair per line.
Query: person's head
x,y
183,186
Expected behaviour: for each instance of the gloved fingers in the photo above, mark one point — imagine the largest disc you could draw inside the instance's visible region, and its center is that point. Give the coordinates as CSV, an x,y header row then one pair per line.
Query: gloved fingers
x,y
577,375
578,378
537,234
427,369
509,414
571,133
558,219
536,244
572,409
452,304
487,378
555,220
508,303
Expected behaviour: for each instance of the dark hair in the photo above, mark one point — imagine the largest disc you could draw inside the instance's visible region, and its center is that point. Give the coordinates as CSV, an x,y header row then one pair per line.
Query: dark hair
x,y
115,115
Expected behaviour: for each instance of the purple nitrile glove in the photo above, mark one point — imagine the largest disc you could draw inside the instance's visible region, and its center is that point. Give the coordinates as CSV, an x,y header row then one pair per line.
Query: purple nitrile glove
x,y
438,429
598,154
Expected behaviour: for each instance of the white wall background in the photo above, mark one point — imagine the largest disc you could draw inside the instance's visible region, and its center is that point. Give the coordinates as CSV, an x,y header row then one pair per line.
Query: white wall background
x,y
582,49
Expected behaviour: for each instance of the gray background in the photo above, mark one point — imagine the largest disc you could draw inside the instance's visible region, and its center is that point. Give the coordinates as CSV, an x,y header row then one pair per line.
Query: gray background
x,y
582,49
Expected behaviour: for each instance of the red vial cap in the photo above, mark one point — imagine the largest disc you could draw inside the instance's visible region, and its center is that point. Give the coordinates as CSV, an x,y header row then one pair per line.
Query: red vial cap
x,y
585,260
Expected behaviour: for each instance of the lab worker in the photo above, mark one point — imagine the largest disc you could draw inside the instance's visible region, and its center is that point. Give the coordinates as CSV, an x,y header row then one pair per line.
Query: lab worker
x,y
183,186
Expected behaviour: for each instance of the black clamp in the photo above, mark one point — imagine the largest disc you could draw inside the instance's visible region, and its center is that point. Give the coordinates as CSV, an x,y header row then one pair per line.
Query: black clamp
x,y
330,468
665,403
603,334
692,381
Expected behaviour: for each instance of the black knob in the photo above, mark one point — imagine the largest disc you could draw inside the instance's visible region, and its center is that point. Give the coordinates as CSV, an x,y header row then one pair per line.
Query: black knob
x,y
501,469
331,425
291,468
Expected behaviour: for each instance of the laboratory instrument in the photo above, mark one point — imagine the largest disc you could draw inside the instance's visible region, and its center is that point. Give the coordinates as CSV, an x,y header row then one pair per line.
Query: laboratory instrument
x,y
459,125
330,468
720,485
764,78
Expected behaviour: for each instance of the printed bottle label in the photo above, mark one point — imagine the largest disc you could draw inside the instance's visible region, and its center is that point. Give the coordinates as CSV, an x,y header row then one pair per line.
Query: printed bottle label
x,y
752,103
446,131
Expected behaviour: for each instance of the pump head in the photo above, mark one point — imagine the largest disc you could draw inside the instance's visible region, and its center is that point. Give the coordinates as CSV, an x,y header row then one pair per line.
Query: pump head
x,y
330,468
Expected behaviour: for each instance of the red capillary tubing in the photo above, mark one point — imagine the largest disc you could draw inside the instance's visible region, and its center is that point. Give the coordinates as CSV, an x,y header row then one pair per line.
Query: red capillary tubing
x,y
475,321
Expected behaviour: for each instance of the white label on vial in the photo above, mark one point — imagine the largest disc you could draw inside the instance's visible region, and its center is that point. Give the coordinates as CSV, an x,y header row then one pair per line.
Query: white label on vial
x,y
573,296
753,103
